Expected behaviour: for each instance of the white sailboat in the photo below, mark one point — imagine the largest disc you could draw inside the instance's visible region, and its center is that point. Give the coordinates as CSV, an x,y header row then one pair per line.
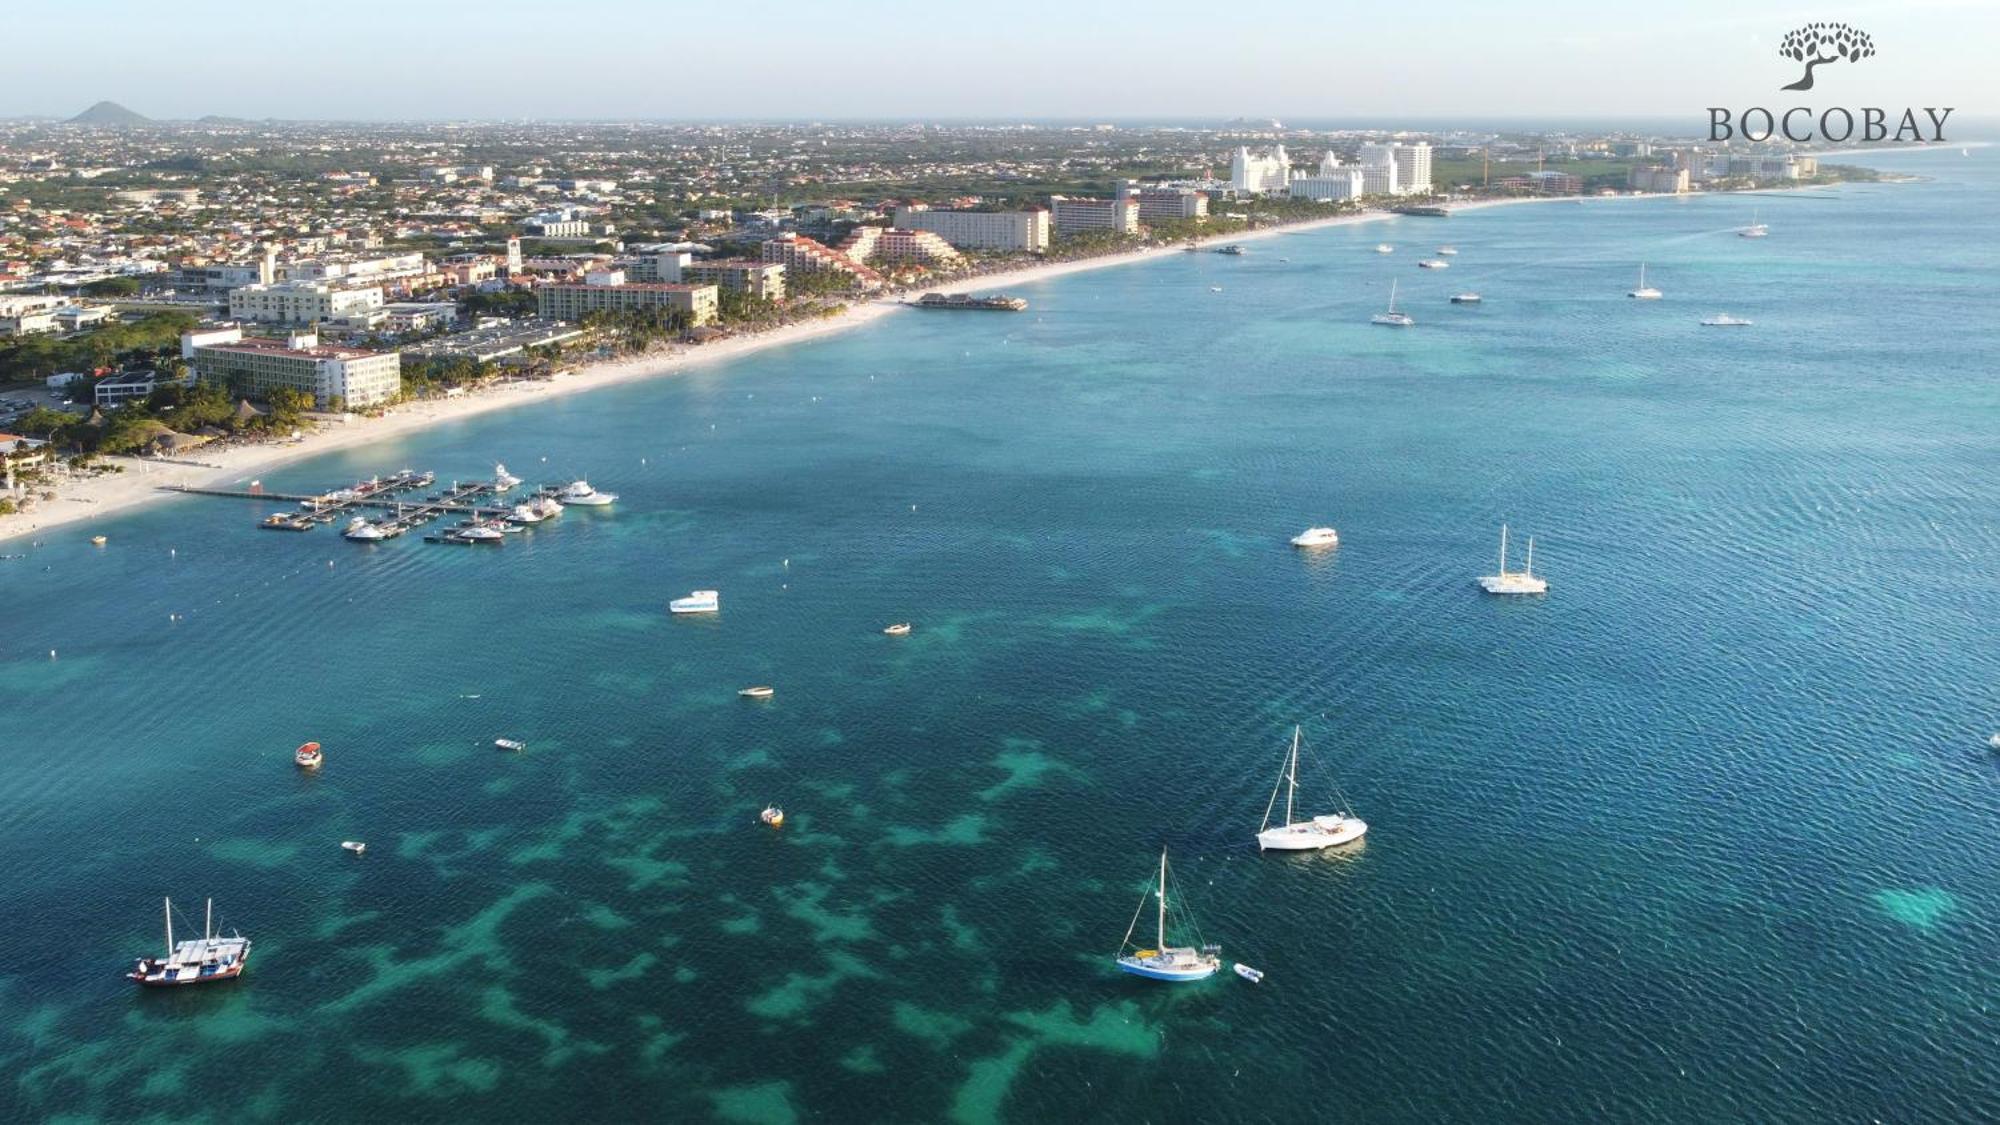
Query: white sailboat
x,y
1162,961
1518,581
1756,229
1303,835
1392,318
1645,292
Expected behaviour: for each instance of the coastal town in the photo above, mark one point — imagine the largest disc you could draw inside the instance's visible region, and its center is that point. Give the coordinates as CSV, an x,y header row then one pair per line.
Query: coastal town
x,y
180,300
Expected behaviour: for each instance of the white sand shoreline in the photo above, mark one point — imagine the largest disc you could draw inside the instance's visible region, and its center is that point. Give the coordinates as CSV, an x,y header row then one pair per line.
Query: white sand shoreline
x,y
93,500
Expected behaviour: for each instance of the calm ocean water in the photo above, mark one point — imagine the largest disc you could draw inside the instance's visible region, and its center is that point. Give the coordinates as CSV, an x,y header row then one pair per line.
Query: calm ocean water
x,y
1706,834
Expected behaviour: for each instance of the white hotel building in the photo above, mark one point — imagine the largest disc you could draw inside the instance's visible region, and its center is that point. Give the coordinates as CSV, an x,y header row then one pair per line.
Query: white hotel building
x,y
301,302
257,367
981,230
1332,181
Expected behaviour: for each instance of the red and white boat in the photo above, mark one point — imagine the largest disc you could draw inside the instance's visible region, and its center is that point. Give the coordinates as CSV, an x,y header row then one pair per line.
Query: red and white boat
x,y
213,958
308,756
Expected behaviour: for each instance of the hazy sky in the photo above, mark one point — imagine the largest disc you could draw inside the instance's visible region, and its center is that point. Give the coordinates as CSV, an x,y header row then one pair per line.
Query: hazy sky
x,y
794,59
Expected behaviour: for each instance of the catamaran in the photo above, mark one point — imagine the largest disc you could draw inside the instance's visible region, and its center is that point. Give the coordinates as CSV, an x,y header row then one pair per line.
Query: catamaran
x,y
1518,581
1304,835
1392,318
213,958
1645,292
1162,961
1755,229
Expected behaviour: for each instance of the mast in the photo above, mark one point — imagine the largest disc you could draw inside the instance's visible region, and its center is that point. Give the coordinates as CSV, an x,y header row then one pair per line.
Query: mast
x,y
1161,942
1392,296
1530,572
208,922
1503,550
1292,776
169,911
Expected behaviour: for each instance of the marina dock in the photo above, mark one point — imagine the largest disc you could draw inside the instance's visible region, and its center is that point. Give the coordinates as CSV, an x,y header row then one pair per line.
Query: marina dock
x,y
480,504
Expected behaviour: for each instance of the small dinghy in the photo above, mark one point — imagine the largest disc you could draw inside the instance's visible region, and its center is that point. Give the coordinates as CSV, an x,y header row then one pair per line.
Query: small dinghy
x,y
773,816
510,744
1994,742
355,846
761,691
308,756
1248,973
899,629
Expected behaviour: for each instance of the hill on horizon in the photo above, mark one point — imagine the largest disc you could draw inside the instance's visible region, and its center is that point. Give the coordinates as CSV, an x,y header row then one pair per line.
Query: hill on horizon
x,y
109,113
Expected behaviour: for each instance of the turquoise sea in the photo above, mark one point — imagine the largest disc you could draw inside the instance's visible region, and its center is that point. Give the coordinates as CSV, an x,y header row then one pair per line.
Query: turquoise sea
x,y
1706,834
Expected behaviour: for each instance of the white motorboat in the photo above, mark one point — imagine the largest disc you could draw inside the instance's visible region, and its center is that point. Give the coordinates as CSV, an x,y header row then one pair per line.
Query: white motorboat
x,y
1312,833
1317,537
698,601
1756,229
480,532
513,744
1163,961
355,846
1517,581
361,531
526,512
773,816
1447,251
1392,318
1994,742
502,479
899,629
580,492
1644,292
1434,264
760,691
1465,298
1724,320
1384,248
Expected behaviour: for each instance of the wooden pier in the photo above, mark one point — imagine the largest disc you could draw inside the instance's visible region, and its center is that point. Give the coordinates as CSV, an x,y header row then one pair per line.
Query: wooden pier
x,y
472,500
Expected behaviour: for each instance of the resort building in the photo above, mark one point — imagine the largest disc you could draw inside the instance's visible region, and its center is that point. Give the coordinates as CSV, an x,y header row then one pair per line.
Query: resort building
x,y
301,302
1332,181
1543,183
1167,204
735,275
981,230
1413,168
1078,216
1265,172
894,244
126,386
1672,180
608,291
799,254
253,366
1378,170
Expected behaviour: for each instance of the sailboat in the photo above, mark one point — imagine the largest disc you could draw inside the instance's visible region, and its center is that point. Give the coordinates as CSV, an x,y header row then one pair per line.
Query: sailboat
x,y
1755,229
1514,582
1162,961
1645,292
1303,835
1392,318
213,958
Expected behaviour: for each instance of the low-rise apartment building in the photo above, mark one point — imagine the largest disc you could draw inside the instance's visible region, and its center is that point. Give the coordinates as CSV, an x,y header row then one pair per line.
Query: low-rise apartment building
x,y
256,366
799,254
612,293
894,244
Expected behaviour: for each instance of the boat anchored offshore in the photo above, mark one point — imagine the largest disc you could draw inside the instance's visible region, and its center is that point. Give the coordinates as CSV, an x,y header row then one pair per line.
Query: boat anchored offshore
x,y
1724,320
1254,976
1645,292
1518,581
580,492
760,691
355,846
1162,961
308,756
1434,264
1756,229
1465,298
1317,537
773,816
1392,318
1384,248
698,601
213,958
1304,835
1447,251
513,744
899,629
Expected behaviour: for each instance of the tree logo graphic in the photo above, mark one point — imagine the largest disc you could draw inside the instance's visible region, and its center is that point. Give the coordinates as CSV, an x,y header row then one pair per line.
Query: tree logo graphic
x,y
1817,43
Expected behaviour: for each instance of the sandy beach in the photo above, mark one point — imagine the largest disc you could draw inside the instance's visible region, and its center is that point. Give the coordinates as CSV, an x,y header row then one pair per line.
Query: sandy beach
x,y
82,503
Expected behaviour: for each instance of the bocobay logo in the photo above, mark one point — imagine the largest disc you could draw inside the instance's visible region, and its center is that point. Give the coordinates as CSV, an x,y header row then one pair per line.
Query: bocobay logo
x,y
1816,45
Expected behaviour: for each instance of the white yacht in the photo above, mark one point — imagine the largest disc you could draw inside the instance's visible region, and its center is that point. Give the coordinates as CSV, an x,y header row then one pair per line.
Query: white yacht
x,y
1724,320
1433,264
1645,292
1162,961
1317,537
502,479
1384,248
1392,318
1756,229
580,492
1518,581
1465,298
479,532
1312,833
361,531
526,512
699,601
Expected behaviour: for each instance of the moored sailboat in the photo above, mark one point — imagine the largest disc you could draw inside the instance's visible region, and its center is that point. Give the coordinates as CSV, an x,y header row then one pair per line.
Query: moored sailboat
x,y
1304,835
213,958
1162,961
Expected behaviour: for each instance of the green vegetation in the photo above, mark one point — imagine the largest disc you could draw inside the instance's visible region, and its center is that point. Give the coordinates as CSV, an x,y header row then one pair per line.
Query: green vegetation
x,y
143,342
